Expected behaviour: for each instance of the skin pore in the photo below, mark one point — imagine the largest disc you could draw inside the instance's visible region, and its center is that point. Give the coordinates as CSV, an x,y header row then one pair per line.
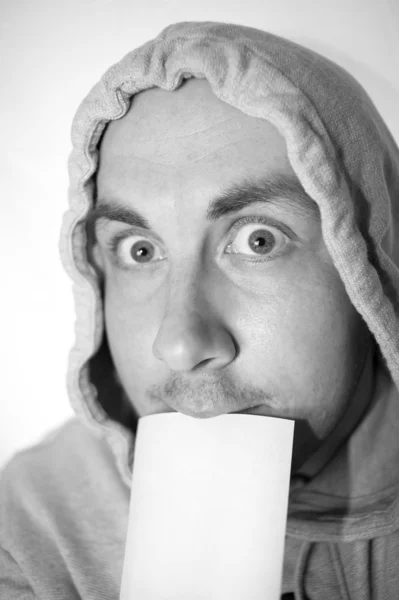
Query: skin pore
x,y
208,316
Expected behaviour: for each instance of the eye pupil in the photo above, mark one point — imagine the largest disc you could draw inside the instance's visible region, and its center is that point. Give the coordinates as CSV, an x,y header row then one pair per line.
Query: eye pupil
x,y
262,240
142,251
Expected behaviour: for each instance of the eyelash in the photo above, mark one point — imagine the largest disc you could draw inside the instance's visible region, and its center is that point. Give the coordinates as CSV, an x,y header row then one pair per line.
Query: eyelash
x,y
114,242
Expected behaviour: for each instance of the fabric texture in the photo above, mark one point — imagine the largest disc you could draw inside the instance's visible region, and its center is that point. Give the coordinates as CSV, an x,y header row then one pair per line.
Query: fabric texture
x,y
64,503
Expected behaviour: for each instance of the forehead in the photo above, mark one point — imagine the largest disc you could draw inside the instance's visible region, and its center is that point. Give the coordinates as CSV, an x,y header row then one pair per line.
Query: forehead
x,y
178,128
189,114
185,143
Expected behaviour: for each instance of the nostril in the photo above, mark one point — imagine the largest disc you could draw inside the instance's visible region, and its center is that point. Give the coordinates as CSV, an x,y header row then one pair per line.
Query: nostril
x,y
202,364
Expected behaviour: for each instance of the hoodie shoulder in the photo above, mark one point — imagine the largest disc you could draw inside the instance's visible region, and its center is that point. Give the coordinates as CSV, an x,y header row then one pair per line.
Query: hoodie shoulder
x,y
57,477
56,526
48,457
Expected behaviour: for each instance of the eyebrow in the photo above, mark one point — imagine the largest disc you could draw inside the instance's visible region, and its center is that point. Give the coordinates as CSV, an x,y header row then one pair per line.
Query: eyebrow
x,y
281,190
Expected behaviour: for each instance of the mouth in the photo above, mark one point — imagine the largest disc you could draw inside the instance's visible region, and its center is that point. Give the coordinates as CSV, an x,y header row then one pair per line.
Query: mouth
x,y
247,411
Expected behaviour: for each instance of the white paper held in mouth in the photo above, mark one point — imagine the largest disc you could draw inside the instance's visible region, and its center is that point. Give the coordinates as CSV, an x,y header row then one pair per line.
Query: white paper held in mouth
x,y
208,508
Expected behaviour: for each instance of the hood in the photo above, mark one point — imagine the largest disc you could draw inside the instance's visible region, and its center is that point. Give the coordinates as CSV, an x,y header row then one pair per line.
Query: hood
x,y
346,160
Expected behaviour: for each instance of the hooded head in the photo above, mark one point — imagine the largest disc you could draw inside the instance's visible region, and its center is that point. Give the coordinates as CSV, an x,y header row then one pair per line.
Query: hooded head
x,y
233,236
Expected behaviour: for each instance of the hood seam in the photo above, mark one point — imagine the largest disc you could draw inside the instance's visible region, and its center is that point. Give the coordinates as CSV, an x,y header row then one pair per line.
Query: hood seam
x,y
301,569
339,571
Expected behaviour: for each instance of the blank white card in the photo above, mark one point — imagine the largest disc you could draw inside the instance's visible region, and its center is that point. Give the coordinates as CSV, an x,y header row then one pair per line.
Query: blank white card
x,y
208,508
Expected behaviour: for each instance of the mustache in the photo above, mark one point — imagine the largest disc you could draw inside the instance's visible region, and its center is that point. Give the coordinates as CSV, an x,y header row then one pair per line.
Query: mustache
x,y
210,392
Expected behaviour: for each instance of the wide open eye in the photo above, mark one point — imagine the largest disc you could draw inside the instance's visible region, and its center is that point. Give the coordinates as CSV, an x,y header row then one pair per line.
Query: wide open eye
x,y
255,239
134,250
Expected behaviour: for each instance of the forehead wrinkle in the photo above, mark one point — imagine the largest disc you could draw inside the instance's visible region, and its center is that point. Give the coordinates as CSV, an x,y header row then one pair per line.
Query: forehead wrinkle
x,y
193,104
174,144
182,159
158,135
189,150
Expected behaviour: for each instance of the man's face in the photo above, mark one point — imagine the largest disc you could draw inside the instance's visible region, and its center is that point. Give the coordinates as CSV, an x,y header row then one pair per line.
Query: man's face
x,y
213,315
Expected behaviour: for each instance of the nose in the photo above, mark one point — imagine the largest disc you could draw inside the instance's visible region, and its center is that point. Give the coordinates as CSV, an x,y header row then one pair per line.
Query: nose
x,y
191,334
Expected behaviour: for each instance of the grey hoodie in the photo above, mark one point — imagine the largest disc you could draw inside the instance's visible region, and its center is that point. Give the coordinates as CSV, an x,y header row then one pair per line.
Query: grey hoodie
x,y
64,502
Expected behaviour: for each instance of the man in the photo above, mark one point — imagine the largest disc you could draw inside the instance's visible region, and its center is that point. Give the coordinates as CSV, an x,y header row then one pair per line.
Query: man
x,y
234,240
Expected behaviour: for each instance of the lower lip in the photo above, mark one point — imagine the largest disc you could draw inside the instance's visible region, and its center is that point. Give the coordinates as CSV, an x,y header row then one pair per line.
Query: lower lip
x,y
247,411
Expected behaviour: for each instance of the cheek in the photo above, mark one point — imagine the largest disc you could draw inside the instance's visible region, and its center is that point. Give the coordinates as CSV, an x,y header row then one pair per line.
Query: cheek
x,y
320,330
321,311
302,334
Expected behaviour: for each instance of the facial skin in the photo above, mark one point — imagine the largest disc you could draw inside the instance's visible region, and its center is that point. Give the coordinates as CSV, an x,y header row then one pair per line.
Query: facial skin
x,y
210,324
